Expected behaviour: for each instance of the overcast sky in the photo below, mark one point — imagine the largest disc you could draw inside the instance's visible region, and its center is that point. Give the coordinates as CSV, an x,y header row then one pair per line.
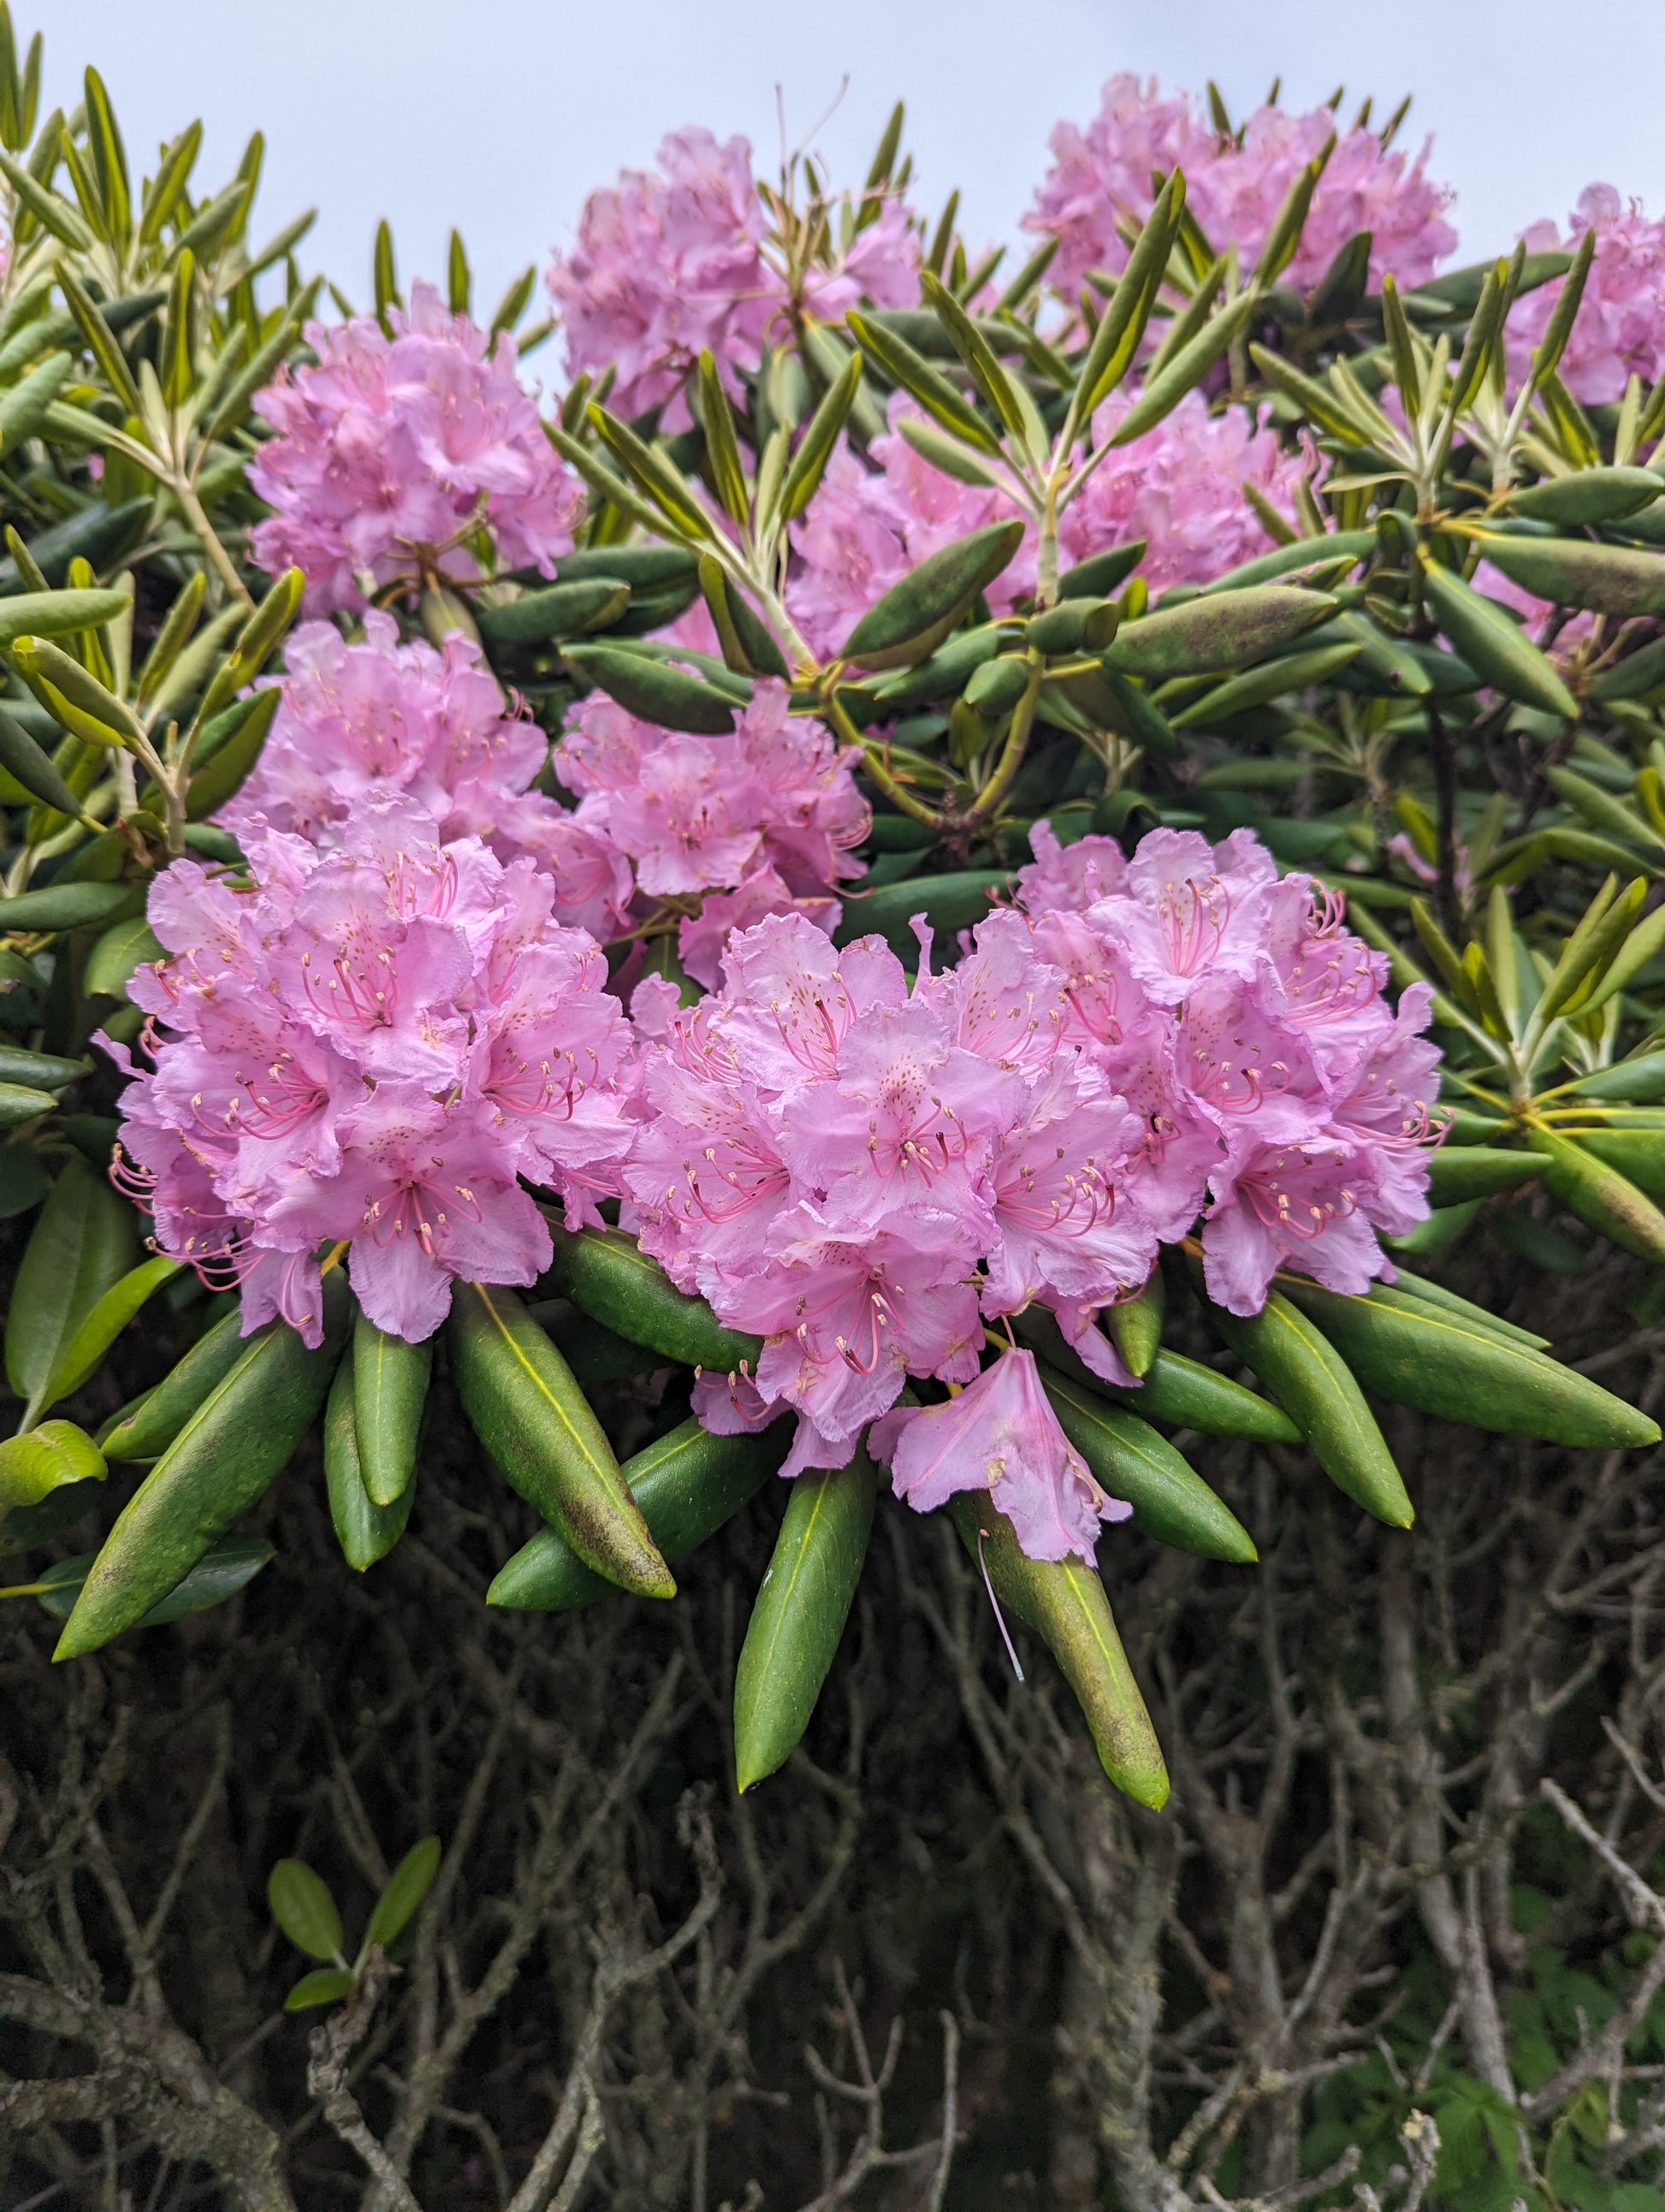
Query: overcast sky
x,y
501,115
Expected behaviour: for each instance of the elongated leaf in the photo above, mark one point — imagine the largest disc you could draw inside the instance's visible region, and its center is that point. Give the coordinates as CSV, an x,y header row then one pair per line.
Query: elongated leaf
x,y
52,614
607,1275
223,1569
223,1458
118,955
1316,1389
81,1246
79,1357
1437,1362
1132,1460
146,1431
687,1483
1064,1602
531,1417
49,1458
565,610
949,902
238,736
367,1532
409,1883
302,1904
1573,571
668,696
1599,1195
1464,1171
800,1614
914,616
1495,647
389,1386
935,391
1217,630
324,1985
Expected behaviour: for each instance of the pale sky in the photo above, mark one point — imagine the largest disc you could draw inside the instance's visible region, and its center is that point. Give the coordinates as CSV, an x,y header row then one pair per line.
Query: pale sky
x,y
502,115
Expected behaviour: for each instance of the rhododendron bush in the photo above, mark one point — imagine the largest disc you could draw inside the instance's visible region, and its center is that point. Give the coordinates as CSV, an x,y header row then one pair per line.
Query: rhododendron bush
x,y
893,866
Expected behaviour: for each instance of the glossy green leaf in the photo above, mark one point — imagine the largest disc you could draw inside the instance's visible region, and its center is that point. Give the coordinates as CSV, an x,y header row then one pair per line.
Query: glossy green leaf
x,y
1132,1460
409,1883
44,1460
1422,1292
300,1903
69,906
688,1484
19,1103
147,1431
529,1414
85,1350
32,767
324,1985
1135,1324
118,955
799,1617
238,736
1438,1363
367,1532
1064,1602
1315,1387
1575,571
83,1243
390,1385
1175,1390
223,1569
1587,496
608,1276
40,1070
26,403
225,1456
564,610
949,903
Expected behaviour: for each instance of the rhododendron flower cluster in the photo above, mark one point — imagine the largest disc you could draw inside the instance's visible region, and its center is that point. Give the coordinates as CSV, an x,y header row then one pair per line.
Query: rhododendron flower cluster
x,y
377,716
1105,171
1180,487
865,1173
671,262
371,1049
392,452
1619,329
760,822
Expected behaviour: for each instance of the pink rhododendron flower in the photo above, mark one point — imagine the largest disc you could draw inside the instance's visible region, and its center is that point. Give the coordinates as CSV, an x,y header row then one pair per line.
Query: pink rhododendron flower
x,y
373,1048
1619,329
391,452
1000,1434
671,262
761,821
1235,190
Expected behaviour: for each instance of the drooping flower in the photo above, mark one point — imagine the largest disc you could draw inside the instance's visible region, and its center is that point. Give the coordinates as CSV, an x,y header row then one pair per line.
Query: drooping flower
x,y
371,1050
1619,329
1235,186
1000,1434
392,454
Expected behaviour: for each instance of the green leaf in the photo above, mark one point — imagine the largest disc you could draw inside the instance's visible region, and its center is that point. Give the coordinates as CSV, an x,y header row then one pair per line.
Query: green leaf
x,y
607,1275
1495,646
915,615
118,956
1131,1460
1602,1196
68,906
1216,631
1574,572
83,1245
668,696
820,435
367,1532
531,1417
1587,496
223,1569
229,760
1117,340
1462,1171
1064,1602
564,610
303,1908
409,1883
948,902
32,766
1316,1389
226,1456
390,1390
53,614
44,1460
688,1484
20,1104
324,1985
85,1350
799,1617
23,407
1163,393
914,374
1440,1363
1292,672
41,1070
146,1431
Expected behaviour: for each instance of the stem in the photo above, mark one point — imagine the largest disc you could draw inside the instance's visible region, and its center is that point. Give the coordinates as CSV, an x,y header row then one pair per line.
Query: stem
x,y
1012,757
1444,755
872,759
196,515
